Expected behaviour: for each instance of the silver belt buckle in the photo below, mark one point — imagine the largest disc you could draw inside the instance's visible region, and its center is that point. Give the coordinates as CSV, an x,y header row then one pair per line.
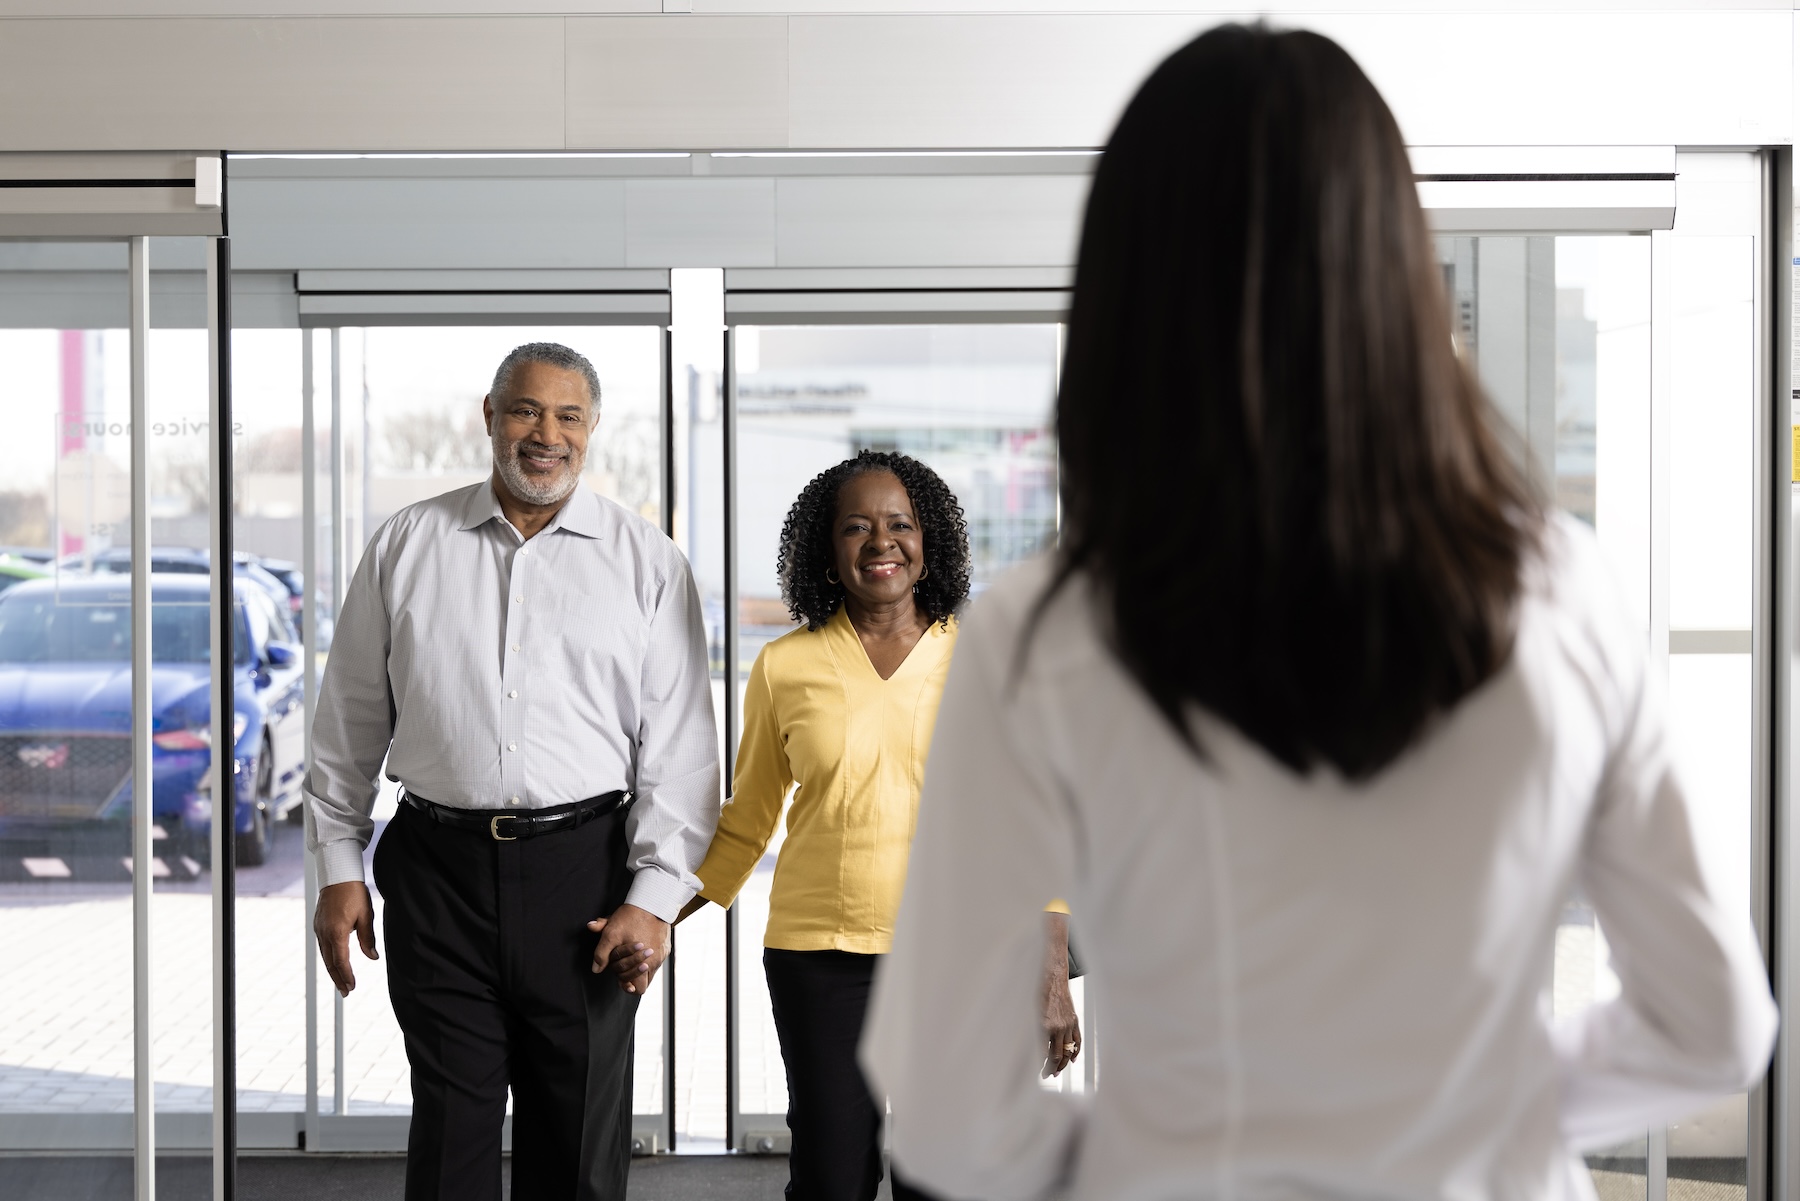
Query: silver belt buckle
x,y
494,827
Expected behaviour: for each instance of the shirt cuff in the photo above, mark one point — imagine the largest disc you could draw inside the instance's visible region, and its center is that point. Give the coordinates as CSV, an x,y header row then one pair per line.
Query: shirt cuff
x,y
340,862
658,892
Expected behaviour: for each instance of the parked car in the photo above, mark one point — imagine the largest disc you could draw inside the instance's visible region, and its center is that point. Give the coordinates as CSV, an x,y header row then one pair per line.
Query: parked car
x,y
17,571
43,556
279,578
288,573
180,560
291,576
65,712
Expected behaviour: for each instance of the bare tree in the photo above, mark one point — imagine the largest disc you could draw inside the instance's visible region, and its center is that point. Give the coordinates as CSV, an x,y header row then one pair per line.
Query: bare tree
x,y
433,440
626,449
24,519
184,469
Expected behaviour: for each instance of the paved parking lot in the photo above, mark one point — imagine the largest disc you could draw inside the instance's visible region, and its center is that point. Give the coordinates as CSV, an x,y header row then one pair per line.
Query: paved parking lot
x,y
66,1033
66,1029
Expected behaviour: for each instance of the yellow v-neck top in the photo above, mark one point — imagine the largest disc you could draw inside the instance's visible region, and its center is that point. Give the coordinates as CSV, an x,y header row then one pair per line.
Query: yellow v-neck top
x,y
820,719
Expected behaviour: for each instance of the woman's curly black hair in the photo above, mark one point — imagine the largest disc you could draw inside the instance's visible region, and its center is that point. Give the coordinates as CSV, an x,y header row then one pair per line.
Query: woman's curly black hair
x,y
806,539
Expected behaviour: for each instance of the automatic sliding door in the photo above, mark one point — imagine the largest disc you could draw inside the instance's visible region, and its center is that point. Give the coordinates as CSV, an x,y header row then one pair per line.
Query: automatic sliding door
x,y
1625,367
66,1069
974,402
67,710
1706,281
1558,331
397,419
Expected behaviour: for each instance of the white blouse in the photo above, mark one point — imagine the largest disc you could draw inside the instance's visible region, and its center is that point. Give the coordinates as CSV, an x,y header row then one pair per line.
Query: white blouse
x,y
1305,987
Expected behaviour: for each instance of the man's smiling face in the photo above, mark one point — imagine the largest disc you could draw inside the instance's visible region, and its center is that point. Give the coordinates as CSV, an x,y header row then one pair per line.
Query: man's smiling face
x,y
540,429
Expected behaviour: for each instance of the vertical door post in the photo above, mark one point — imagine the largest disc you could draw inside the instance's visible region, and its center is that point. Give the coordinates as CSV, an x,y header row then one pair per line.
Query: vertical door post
x,y
309,649
733,720
668,525
143,789
1774,1151
222,569
339,1098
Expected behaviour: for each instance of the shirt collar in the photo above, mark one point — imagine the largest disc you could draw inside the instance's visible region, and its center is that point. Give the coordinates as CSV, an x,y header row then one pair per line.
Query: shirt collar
x,y
579,515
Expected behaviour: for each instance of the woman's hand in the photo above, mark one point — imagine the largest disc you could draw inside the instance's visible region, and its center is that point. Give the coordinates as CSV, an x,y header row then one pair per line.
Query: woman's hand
x,y
1062,1029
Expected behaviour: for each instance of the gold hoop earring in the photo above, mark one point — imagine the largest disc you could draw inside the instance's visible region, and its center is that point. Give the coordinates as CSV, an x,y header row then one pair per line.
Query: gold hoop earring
x,y
925,572
831,576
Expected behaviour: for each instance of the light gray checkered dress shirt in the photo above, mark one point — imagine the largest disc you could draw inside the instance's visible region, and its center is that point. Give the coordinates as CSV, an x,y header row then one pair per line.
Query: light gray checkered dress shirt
x,y
492,672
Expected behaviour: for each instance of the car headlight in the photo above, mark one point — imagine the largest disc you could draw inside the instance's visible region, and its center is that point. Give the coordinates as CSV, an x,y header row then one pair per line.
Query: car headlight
x,y
198,738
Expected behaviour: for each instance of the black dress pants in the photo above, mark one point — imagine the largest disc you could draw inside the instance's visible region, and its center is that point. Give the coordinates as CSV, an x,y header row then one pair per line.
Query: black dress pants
x,y
819,999
488,957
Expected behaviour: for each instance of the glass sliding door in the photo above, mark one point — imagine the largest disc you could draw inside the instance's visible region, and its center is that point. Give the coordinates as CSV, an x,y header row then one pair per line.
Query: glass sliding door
x,y
66,861
700,455
1706,281
974,402
66,1057
1625,369
1558,331
396,419
107,665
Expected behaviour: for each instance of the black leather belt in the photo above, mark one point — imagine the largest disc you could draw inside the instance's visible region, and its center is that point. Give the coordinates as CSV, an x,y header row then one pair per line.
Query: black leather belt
x,y
510,825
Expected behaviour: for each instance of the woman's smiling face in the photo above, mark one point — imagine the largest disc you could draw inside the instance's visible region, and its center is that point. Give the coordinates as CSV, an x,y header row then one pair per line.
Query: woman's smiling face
x,y
880,550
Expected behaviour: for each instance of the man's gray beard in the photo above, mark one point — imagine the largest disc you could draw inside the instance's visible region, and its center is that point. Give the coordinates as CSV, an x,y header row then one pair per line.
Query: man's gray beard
x,y
506,461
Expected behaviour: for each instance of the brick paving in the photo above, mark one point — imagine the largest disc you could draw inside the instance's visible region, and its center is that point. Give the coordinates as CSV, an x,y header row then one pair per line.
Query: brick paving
x,y
66,1029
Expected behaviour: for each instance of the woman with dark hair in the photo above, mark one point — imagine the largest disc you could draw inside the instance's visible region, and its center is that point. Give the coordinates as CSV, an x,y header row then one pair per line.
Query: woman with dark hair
x,y
875,561
1316,717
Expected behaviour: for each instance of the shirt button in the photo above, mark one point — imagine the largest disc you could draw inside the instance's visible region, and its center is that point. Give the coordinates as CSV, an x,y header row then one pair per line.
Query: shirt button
x,y
525,550
512,800
519,600
513,695
512,746
515,646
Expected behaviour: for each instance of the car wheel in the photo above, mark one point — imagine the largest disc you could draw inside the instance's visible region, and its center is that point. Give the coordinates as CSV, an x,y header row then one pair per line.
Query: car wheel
x,y
253,845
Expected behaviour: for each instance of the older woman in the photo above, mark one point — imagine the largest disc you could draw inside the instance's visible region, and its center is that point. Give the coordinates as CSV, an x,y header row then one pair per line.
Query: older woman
x,y
875,562
1315,717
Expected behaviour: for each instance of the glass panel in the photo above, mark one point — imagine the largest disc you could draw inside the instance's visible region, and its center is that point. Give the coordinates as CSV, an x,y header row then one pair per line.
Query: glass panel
x,y
1557,330
65,895
697,298
66,1033
1709,702
410,413
271,907
972,401
1712,347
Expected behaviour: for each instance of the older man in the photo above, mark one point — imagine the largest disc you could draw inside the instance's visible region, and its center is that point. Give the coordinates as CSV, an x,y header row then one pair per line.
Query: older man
x,y
529,660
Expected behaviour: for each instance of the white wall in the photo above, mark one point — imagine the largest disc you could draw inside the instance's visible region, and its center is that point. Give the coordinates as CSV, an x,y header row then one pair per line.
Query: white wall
x,y
422,80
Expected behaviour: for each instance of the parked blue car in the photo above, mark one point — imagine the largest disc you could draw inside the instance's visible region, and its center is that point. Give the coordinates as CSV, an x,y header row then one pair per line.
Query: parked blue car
x,y
65,713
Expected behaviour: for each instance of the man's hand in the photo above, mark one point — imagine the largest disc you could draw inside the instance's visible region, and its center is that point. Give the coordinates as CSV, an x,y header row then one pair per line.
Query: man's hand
x,y
1062,1029
634,943
341,909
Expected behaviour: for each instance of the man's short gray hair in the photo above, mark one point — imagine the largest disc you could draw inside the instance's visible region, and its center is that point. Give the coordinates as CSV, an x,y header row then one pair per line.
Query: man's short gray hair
x,y
551,354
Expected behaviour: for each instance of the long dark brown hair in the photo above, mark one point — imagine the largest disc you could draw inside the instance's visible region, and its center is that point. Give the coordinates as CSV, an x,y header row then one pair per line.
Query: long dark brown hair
x,y
1274,466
